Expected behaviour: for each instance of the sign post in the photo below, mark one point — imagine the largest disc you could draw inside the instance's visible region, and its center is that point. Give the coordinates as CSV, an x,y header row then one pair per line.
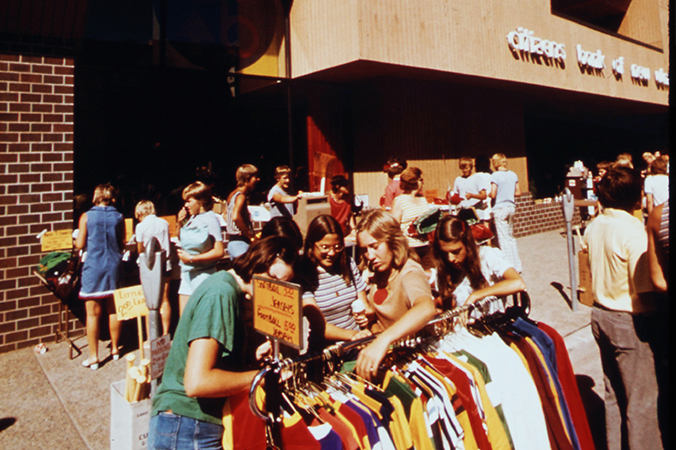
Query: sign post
x,y
130,303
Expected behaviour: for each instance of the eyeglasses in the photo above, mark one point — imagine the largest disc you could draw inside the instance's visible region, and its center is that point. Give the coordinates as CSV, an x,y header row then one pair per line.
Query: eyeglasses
x,y
323,248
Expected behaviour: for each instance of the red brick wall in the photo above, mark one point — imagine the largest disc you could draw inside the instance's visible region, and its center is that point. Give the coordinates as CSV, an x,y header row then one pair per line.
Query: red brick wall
x,y
531,218
36,188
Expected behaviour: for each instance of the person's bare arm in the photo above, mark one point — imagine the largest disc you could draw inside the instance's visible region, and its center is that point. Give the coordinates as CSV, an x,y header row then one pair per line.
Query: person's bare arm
x,y
238,216
413,320
494,190
511,283
649,199
655,255
214,254
396,211
281,198
202,378
81,239
517,190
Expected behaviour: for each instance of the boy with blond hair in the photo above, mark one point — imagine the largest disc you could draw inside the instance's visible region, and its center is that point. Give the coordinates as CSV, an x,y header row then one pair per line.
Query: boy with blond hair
x,y
504,189
150,226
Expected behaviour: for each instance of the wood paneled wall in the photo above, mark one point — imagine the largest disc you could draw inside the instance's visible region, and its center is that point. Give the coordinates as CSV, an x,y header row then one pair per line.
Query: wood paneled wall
x,y
431,125
469,37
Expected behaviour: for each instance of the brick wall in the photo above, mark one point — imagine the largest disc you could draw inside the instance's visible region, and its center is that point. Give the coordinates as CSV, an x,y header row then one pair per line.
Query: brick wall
x,y
531,218
36,185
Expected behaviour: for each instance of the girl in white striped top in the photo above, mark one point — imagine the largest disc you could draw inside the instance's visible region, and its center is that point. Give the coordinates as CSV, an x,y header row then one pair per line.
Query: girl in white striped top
x,y
336,281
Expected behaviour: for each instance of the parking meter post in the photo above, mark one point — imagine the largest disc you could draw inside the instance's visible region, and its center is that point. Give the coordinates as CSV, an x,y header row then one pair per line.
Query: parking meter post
x,y
152,266
568,205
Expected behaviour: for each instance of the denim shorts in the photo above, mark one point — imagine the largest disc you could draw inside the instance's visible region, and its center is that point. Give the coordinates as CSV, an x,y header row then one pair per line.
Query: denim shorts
x,y
237,248
170,431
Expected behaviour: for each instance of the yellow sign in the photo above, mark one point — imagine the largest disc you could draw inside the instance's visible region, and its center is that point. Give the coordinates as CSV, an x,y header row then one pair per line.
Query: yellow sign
x,y
130,303
128,229
278,312
57,240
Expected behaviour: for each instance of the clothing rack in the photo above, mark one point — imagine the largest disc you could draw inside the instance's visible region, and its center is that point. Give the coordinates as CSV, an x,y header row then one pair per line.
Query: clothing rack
x,y
332,356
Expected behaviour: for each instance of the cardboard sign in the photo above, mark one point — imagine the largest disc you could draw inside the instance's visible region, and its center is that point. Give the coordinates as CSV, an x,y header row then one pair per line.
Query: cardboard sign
x,y
130,303
159,350
128,229
57,240
278,311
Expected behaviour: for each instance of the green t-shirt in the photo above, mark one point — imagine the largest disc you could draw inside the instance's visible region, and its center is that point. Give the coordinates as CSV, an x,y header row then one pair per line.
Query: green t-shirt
x,y
213,311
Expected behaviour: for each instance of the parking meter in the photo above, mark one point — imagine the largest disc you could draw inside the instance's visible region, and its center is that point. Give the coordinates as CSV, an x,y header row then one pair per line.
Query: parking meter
x,y
152,267
568,205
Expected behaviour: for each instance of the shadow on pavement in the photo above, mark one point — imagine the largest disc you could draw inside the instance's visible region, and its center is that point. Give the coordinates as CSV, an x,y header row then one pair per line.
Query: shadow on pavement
x,y
594,408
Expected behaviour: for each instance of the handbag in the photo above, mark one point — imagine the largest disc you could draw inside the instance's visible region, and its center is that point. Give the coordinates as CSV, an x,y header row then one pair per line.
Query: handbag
x,y
480,230
425,223
60,270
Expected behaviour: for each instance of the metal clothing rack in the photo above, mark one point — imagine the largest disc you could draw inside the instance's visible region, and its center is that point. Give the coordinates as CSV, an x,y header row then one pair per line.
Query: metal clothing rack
x,y
332,356
61,332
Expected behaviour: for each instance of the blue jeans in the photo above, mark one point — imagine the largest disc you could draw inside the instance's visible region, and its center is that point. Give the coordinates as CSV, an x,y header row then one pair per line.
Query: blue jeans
x,y
169,431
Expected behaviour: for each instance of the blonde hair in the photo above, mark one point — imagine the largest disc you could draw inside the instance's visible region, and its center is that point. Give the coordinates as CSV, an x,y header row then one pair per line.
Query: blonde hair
x,y
200,192
104,193
499,160
466,161
383,227
244,174
280,171
143,209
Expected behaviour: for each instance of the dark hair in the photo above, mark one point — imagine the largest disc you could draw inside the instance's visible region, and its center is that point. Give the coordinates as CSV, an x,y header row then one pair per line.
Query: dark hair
x,y
395,166
410,179
482,163
620,188
262,254
452,229
338,181
320,227
658,166
285,227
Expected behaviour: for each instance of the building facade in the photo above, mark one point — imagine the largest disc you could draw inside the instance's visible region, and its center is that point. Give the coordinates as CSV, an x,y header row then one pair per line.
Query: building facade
x,y
144,92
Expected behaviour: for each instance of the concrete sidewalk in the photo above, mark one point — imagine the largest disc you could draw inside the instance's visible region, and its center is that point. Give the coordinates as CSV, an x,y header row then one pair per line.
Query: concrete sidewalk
x,y
50,402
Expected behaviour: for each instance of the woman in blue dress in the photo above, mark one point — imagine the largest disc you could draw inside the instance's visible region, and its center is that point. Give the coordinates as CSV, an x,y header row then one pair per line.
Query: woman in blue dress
x,y
101,233
201,240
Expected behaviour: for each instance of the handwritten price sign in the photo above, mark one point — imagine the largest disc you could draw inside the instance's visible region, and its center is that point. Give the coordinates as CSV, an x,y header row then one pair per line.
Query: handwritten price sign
x,y
130,303
278,312
57,240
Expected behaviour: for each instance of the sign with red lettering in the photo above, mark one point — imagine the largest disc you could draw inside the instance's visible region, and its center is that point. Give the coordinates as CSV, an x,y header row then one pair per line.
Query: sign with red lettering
x,y
278,312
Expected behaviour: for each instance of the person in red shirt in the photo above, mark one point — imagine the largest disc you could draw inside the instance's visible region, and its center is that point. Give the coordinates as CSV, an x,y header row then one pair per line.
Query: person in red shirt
x,y
394,167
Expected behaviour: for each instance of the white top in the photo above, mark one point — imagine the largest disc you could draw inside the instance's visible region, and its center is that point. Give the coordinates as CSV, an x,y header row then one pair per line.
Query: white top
x,y
493,267
464,185
658,186
506,181
154,227
483,208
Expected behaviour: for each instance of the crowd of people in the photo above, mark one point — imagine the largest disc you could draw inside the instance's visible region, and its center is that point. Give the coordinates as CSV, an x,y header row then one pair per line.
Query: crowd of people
x,y
412,262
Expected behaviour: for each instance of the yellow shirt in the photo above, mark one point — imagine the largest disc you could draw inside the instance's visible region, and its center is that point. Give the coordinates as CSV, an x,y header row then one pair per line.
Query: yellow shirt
x,y
618,243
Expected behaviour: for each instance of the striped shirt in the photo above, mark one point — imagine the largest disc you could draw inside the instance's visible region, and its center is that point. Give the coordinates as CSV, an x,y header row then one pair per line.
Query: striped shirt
x,y
334,297
412,208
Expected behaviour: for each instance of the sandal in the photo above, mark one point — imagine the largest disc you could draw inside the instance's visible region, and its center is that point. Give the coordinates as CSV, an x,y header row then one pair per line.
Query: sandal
x,y
93,364
115,356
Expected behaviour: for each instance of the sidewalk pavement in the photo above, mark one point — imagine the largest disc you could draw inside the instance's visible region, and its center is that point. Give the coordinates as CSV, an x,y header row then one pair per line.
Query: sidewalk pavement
x,y
50,402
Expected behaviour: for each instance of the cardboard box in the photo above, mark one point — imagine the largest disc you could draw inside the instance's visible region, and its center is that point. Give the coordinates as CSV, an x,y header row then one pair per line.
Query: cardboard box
x,y
585,280
129,422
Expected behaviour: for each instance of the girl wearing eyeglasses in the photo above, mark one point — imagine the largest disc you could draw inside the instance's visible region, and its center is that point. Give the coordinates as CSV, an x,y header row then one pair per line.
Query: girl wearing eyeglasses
x,y
333,281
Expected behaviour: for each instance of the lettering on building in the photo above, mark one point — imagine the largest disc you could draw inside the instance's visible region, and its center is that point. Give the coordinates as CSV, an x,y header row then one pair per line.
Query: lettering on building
x,y
523,42
590,61
640,75
661,78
